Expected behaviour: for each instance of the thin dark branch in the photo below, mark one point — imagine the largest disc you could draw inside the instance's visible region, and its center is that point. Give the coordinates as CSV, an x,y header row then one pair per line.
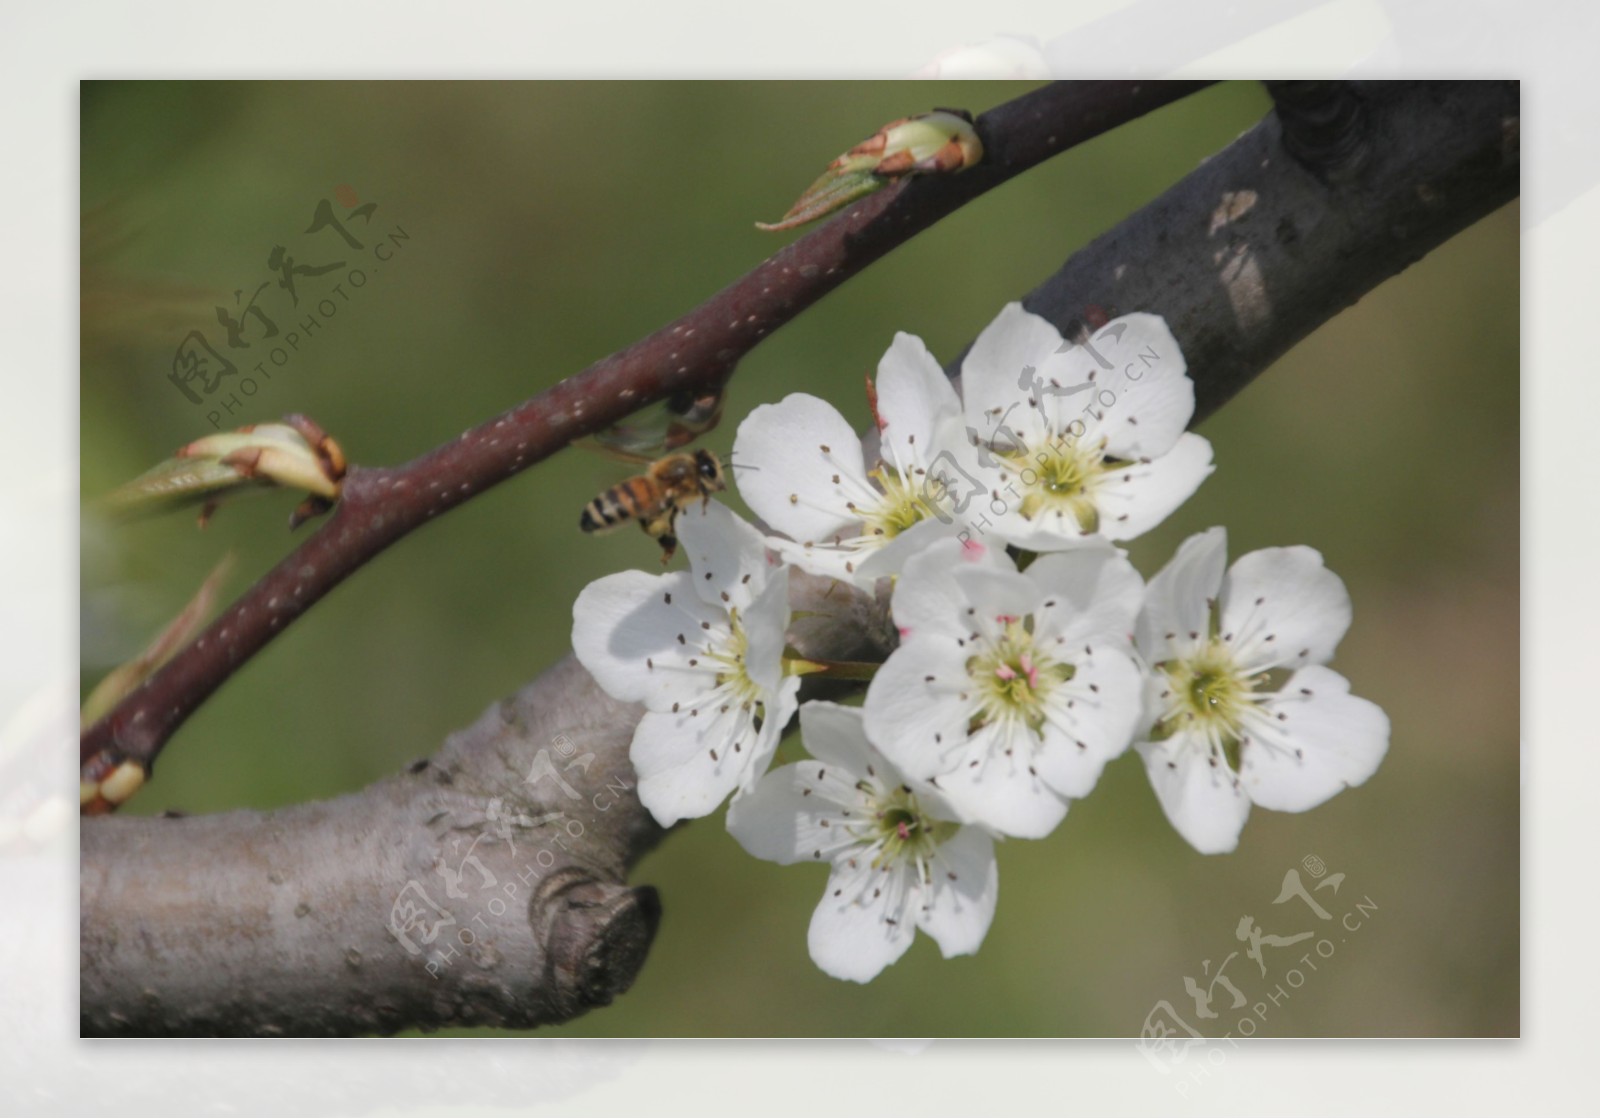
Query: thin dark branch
x,y
279,922
699,351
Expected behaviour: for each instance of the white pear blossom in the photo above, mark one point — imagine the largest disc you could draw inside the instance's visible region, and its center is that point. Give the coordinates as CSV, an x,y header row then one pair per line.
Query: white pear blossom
x,y
1243,710
1010,690
702,649
1068,443
899,859
804,472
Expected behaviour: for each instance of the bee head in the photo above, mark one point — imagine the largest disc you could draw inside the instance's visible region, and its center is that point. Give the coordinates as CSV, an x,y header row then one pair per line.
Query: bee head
x,y
708,466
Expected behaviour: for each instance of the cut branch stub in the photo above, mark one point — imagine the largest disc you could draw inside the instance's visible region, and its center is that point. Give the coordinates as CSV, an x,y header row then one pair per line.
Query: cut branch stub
x,y
1324,126
597,935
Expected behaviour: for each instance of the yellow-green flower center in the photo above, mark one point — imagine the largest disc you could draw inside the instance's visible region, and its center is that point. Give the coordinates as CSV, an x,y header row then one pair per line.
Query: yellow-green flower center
x,y
900,828
1062,476
1014,678
1207,691
903,504
729,655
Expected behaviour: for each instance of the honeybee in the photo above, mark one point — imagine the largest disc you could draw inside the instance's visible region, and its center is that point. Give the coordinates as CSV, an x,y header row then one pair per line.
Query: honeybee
x,y
655,497
663,427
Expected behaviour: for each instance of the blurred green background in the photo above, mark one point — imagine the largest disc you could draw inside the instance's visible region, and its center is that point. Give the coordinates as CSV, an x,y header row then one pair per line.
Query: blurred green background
x,y
551,224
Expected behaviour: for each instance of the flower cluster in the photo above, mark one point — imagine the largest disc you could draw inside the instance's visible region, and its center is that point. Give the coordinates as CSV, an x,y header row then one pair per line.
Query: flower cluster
x,y
1031,651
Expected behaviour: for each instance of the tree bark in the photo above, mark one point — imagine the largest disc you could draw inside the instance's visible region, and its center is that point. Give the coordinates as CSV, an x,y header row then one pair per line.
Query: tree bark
x,y
366,914
1253,251
483,886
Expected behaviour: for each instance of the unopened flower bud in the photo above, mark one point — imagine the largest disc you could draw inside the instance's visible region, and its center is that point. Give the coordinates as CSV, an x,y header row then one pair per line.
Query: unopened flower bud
x,y
296,453
940,142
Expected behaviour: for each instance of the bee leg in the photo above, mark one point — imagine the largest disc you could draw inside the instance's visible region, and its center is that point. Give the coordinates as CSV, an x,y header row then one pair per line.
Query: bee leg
x,y
660,529
669,547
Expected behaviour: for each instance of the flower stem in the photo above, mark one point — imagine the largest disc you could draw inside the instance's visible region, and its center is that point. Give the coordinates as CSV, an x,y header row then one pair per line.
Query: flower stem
x,y
837,670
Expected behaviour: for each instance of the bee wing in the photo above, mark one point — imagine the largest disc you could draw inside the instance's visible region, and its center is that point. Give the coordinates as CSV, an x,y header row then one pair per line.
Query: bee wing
x,y
665,426
613,451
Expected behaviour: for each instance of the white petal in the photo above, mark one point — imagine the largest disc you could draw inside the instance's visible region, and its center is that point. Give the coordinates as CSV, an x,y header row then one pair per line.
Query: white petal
x,y
863,564
964,472
1080,740
766,622
837,739
1000,792
690,759
785,476
928,600
1281,606
778,708
917,723
993,374
835,735
1141,495
893,556
1049,530
993,595
781,819
823,556
1329,740
678,777
1176,602
1091,594
855,935
959,904
1157,699
626,629
913,396
727,556
1146,399
1201,800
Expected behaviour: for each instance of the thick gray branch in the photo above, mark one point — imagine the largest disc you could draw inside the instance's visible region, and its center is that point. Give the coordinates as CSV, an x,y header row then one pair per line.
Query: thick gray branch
x,y
457,893
484,886
287,922
1253,251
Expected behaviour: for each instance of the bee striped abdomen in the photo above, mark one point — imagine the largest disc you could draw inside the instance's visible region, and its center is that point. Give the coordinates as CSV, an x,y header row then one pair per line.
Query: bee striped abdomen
x,y
628,500
654,498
